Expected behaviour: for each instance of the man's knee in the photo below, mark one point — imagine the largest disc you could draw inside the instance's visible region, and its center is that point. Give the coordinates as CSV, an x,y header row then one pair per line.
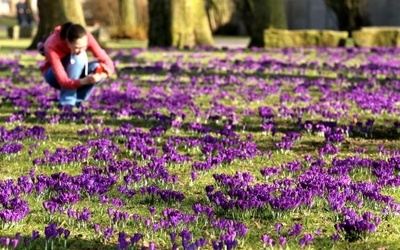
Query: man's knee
x,y
68,97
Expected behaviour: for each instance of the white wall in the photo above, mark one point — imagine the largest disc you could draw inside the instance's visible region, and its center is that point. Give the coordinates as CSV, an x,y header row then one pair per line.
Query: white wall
x,y
4,7
6,4
34,6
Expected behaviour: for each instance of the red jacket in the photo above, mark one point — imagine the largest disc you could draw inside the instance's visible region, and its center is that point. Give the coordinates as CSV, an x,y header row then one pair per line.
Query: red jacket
x,y
55,49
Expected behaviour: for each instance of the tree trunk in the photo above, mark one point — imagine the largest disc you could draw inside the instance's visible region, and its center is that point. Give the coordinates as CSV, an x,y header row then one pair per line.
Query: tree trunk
x,y
266,14
128,19
74,11
245,9
220,13
351,14
56,12
178,23
277,13
142,13
259,15
160,23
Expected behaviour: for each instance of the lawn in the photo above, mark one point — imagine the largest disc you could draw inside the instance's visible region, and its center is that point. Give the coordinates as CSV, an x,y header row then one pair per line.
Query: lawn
x,y
205,149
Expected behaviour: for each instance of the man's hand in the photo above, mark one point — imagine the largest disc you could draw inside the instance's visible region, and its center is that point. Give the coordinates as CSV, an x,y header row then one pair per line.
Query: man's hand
x,y
94,78
91,79
85,81
106,70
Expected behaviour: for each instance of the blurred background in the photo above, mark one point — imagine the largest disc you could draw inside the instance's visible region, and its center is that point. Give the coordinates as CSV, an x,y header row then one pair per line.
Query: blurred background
x,y
196,22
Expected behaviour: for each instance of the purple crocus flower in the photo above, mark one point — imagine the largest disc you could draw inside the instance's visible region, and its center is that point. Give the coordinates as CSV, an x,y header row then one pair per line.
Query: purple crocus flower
x,y
173,235
18,236
186,237
217,245
14,243
318,232
268,241
278,227
152,246
5,241
96,228
282,241
50,231
122,242
50,206
295,230
152,210
11,148
193,175
26,241
66,233
135,238
35,235
117,202
85,215
335,237
60,231
306,240
108,232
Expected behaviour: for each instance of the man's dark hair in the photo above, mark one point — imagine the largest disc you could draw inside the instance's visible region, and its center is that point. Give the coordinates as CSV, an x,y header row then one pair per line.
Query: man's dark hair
x,y
71,32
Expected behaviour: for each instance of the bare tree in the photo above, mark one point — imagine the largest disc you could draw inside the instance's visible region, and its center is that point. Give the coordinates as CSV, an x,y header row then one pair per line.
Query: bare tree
x,y
351,14
102,14
56,12
178,23
220,12
124,18
128,18
259,15
74,11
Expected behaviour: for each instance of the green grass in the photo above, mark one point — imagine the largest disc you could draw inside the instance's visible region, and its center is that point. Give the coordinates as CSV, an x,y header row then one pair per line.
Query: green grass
x,y
64,135
20,44
8,21
125,44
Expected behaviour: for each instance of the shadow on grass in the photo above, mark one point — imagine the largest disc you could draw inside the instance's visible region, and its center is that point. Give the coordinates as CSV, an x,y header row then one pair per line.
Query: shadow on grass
x,y
156,70
74,242
283,127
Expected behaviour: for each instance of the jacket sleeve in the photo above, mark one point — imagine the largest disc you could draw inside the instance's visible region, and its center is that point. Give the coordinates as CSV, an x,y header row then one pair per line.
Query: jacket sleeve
x,y
60,73
99,53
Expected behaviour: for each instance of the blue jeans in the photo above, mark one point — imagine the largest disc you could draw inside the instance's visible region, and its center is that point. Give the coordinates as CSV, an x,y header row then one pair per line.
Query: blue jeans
x,y
74,65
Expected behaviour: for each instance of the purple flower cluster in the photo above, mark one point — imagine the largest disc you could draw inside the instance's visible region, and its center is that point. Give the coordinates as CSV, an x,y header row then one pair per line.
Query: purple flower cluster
x,y
334,136
123,243
270,171
11,148
165,195
16,241
103,150
328,149
288,141
63,156
14,208
51,232
266,113
238,193
84,215
20,133
354,226
295,231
